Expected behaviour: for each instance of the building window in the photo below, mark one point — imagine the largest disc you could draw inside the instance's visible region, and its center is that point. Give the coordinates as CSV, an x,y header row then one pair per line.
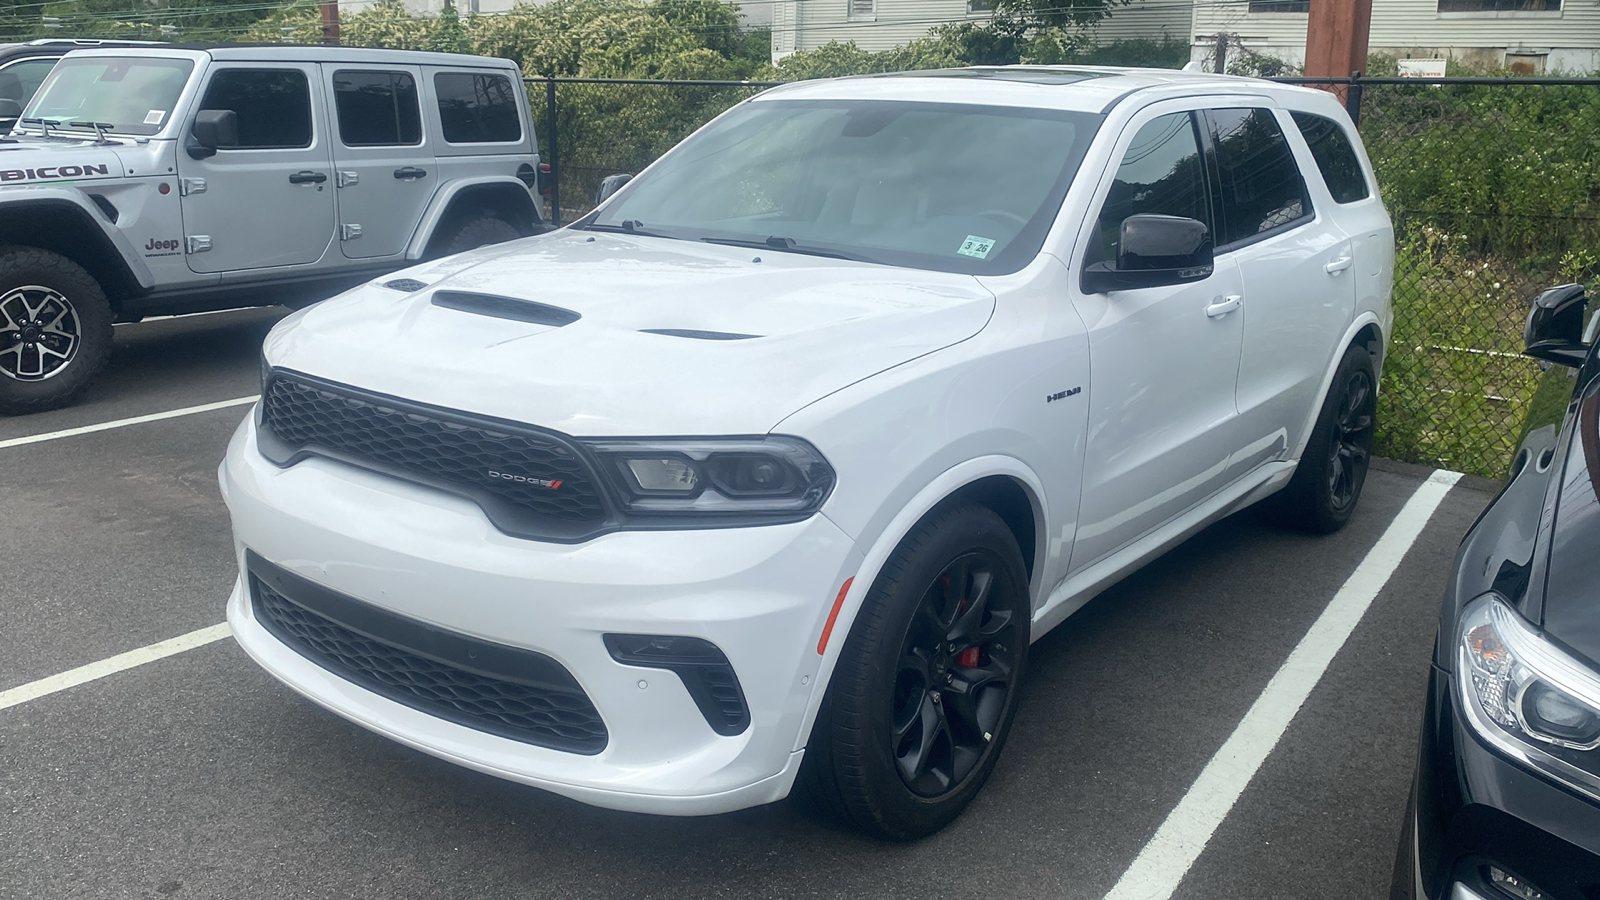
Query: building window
x,y
1284,6
980,7
1499,5
863,9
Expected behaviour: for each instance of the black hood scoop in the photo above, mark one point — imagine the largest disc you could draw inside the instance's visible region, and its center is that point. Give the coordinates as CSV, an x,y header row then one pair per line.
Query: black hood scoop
x,y
505,308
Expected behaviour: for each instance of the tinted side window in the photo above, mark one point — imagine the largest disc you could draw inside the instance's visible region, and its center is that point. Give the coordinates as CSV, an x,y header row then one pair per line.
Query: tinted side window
x,y
477,109
377,108
1336,159
1163,173
274,106
1258,181
20,80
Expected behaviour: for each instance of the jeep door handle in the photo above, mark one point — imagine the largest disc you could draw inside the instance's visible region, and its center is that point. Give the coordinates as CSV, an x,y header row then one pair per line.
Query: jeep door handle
x,y
1224,305
1339,265
410,172
308,178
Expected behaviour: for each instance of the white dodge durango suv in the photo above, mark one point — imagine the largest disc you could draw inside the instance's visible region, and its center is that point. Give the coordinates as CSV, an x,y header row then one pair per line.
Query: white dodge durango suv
x,y
773,466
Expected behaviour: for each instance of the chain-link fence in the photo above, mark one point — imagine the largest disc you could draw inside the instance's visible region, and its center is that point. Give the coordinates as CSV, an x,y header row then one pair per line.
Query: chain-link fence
x,y
1493,185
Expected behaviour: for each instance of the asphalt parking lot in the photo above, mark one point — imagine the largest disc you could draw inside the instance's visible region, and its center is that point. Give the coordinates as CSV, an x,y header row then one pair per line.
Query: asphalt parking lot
x,y
197,775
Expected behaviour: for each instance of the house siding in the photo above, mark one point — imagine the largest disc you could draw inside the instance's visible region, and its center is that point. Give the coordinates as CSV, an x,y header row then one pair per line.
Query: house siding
x,y
808,24
1416,28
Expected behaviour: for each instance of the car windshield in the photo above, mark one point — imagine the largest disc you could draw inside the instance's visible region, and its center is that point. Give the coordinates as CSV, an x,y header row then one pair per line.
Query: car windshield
x,y
950,187
134,95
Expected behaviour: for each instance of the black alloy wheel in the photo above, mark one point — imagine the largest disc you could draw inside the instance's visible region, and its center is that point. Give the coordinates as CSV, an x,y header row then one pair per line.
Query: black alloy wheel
x,y
954,677
1326,485
927,682
1351,447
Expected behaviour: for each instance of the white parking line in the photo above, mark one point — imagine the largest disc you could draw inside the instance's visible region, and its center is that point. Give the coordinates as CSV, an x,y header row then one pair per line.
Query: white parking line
x,y
33,690
123,423
1161,865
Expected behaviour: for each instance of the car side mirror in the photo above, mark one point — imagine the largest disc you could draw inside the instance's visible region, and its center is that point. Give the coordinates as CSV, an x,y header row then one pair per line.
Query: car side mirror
x,y
10,109
610,185
213,129
1154,251
1554,330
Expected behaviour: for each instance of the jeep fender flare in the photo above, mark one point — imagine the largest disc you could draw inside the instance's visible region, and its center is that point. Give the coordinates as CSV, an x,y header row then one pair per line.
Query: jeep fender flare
x,y
501,190
104,250
941,488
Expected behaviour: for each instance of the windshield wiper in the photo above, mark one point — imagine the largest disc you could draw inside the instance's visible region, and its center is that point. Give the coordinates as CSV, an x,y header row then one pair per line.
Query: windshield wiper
x,y
787,245
628,226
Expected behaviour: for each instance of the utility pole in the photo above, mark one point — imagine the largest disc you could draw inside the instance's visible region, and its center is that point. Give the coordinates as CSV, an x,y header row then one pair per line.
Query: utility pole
x,y
1337,33
330,22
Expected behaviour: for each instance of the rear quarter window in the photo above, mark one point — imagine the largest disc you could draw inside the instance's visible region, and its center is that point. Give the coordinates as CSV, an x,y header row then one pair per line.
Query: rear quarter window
x,y
1336,158
477,108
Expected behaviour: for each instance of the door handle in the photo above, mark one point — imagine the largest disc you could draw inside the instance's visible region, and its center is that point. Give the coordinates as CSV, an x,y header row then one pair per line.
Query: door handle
x,y
1340,264
1224,305
410,172
308,178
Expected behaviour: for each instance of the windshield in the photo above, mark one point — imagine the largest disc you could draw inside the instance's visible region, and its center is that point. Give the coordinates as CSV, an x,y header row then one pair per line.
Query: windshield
x,y
951,187
134,95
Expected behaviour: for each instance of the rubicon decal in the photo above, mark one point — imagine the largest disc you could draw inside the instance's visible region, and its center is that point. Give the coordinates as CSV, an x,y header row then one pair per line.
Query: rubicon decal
x,y
547,483
46,173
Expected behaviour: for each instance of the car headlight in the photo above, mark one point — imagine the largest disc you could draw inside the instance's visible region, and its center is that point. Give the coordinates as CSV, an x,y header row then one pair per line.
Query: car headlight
x,y
773,475
1526,696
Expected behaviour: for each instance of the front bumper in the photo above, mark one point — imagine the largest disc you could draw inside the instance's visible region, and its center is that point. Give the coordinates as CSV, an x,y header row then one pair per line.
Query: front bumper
x,y
760,594
1477,810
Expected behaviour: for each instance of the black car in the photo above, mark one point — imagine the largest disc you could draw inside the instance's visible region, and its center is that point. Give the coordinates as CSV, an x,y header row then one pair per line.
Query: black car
x,y
1506,802
24,66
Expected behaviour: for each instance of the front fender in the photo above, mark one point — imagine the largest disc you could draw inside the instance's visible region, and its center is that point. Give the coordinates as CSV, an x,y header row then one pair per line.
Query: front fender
x,y
439,207
20,199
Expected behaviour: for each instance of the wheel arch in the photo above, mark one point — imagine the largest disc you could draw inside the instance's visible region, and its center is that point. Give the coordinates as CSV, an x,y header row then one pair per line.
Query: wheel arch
x,y
1365,330
504,196
1001,483
64,224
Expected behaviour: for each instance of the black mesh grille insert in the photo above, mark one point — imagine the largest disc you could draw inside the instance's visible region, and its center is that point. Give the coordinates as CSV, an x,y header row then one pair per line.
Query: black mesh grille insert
x,y
561,718
518,476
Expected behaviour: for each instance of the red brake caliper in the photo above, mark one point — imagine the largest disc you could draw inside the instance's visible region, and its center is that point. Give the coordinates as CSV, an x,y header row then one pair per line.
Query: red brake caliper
x,y
968,658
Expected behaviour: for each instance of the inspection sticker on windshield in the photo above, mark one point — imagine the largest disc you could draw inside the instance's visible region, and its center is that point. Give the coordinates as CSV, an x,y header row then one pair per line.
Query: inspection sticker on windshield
x,y
976,246
155,116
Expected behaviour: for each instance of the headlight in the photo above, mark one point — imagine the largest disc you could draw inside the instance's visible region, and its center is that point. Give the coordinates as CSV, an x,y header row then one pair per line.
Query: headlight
x,y
1528,697
767,476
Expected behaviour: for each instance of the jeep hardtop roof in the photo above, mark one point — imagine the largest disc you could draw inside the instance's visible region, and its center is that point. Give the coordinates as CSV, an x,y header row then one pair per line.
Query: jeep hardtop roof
x,y
306,53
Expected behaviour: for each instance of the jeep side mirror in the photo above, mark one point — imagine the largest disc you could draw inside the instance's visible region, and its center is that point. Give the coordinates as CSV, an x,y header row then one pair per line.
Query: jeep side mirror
x,y
1154,251
213,129
610,185
1554,330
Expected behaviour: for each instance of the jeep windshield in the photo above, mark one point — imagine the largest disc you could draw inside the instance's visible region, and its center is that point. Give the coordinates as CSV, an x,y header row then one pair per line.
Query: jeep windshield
x,y
943,186
134,95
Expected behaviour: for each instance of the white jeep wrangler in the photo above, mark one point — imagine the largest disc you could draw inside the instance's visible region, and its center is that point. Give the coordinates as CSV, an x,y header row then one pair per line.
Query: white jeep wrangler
x,y
165,180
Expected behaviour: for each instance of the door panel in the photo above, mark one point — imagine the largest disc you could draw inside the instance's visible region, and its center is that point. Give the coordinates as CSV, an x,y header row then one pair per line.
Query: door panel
x,y
1298,271
386,173
268,202
1163,429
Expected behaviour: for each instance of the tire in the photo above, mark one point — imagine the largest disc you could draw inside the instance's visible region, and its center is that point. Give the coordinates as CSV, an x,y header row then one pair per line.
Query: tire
x,y
1402,884
479,232
55,330
927,682
1327,483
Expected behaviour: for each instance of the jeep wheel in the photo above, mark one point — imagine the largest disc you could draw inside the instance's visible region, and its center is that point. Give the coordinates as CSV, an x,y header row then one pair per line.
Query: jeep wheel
x,y
926,685
479,232
55,330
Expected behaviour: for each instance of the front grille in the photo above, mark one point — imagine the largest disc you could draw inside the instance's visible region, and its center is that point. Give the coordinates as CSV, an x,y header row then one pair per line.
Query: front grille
x,y
529,709
528,482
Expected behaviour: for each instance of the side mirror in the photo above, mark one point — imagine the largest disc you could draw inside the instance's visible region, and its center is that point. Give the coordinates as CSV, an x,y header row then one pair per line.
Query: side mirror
x,y
1554,330
10,109
1154,251
213,129
610,185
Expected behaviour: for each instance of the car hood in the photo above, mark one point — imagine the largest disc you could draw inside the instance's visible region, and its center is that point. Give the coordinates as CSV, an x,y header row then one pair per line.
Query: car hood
x,y
1571,601
37,161
754,335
